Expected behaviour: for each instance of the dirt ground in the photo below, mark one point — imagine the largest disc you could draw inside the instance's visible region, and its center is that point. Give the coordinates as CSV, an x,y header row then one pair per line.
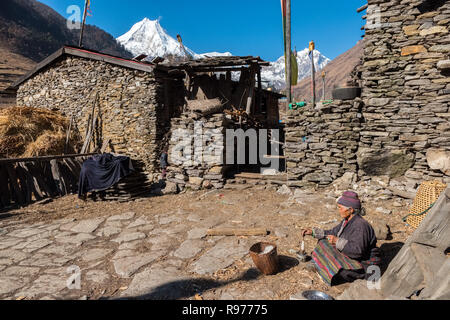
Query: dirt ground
x,y
246,207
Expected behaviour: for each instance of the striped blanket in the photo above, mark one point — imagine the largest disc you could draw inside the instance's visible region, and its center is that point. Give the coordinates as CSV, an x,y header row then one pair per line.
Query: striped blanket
x,y
329,261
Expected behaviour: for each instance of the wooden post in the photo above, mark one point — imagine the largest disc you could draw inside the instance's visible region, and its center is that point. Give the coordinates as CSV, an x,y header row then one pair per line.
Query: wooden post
x,y
313,73
323,85
259,98
80,44
288,53
251,90
66,146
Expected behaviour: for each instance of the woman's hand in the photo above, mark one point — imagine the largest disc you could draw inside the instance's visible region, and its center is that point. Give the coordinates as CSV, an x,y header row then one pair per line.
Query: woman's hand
x,y
307,232
332,239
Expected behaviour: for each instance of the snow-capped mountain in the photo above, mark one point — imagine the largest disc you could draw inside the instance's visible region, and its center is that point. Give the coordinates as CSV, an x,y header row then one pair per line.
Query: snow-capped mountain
x,y
274,75
149,37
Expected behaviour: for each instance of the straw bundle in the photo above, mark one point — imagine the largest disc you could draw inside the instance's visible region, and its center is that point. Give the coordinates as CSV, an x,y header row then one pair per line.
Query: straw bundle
x,y
29,132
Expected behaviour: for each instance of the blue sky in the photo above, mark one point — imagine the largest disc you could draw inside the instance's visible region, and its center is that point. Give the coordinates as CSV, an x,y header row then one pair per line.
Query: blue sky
x,y
243,27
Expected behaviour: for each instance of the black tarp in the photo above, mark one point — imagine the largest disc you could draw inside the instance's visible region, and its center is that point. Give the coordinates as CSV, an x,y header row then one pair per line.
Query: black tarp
x,y
101,172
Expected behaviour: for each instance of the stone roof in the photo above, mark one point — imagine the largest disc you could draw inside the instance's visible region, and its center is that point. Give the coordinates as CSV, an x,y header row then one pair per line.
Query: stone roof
x,y
84,53
210,63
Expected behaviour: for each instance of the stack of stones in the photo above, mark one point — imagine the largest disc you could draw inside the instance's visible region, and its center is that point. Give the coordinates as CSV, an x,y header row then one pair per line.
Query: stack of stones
x,y
131,103
406,88
403,131
321,143
203,140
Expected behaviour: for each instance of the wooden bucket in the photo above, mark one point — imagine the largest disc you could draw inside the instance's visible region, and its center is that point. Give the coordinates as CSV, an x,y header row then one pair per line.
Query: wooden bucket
x,y
267,263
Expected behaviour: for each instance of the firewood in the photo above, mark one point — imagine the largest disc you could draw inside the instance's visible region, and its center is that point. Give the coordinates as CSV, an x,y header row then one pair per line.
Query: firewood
x,y
237,232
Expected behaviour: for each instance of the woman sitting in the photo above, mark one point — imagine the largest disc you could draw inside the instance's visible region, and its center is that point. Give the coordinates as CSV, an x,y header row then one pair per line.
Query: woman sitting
x,y
344,253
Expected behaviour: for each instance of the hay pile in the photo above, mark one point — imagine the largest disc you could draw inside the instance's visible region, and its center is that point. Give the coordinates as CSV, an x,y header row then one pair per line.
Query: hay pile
x,y
32,132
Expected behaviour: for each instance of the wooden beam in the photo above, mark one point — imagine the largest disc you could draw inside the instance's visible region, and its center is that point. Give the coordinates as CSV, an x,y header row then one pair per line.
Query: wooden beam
x,y
5,195
251,94
361,9
220,69
237,232
66,146
259,96
46,158
57,177
14,185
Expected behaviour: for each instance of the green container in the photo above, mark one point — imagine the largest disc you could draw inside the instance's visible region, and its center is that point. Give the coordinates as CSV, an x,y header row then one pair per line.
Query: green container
x,y
297,105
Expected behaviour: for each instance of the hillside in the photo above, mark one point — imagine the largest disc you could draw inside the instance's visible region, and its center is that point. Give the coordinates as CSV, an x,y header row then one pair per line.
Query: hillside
x,y
30,31
338,73
12,66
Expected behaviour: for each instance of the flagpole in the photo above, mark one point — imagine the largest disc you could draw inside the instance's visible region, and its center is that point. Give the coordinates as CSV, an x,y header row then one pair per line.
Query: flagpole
x,y
313,71
323,85
288,51
80,44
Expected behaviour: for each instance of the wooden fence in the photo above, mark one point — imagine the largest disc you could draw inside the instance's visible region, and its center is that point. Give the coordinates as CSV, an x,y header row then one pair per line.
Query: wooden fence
x,y
24,181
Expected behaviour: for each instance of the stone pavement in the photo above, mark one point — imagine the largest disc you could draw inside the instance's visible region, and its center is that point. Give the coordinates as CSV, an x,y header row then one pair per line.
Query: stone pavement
x,y
140,252
158,248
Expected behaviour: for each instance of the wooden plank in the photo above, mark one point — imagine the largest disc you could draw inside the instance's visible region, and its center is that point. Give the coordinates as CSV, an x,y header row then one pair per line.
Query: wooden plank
x,y
46,158
13,180
251,91
68,178
32,182
73,168
5,195
87,143
361,9
237,232
259,96
46,172
105,145
36,171
25,184
66,146
60,184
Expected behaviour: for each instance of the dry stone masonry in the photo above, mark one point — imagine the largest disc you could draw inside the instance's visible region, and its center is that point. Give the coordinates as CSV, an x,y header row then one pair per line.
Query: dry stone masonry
x,y
131,103
202,139
401,126
321,143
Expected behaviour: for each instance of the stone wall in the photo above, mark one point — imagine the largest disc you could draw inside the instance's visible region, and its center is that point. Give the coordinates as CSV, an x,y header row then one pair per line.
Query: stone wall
x,y
321,143
406,95
132,103
202,141
401,127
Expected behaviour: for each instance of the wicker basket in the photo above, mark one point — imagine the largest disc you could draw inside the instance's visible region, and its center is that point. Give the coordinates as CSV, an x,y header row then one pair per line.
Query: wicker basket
x,y
427,195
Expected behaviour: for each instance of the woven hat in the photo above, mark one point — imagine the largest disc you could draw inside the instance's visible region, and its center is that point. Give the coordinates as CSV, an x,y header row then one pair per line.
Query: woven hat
x,y
350,199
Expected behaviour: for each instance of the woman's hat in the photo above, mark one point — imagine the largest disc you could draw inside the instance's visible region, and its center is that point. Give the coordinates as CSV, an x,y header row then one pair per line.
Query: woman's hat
x,y
350,199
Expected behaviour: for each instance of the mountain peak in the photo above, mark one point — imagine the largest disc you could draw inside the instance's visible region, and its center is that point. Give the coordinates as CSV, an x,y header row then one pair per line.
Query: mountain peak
x,y
149,37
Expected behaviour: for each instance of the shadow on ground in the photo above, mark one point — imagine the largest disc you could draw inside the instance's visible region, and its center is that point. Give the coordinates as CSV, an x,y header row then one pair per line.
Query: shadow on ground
x,y
184,289
388,253
4,215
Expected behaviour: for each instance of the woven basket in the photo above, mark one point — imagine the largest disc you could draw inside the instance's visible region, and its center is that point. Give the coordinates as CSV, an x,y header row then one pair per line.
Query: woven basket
x,y
266,263
427,195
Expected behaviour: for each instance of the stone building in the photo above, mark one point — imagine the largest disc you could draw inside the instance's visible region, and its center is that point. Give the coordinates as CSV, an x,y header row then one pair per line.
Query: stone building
x,y
400,126
135,102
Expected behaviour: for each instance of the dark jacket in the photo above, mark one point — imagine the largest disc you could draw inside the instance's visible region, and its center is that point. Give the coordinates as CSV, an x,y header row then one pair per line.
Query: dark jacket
x,y
163,160
357,240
